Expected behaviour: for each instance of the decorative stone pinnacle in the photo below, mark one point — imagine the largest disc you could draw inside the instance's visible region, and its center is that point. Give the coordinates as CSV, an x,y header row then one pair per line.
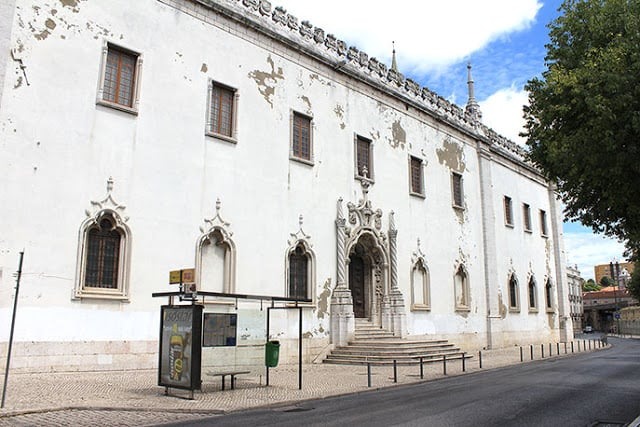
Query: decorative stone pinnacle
x,y
472,108
110,185
394,64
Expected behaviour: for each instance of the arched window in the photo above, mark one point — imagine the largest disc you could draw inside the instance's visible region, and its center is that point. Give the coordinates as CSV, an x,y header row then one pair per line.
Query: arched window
x,y
420,292
461,285
216,262
547,295
533,303
300,272
216,256
103,256
514,301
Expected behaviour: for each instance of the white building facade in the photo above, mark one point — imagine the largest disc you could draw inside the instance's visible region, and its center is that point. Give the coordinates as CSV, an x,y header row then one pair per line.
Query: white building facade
x,y
575,282
141,137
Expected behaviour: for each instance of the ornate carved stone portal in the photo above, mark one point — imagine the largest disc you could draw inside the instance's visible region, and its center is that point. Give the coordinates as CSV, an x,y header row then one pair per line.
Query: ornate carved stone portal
x,y
367,279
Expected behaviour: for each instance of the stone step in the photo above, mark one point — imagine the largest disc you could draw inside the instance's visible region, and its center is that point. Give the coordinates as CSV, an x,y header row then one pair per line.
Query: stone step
x,y
400,361
393,354
397,342
414,347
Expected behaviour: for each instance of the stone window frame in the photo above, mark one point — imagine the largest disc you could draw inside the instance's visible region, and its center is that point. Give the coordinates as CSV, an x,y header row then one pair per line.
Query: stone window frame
x,y
121,292
526,218
421,266
370,167
311,269
465,288
513,292
292,156
532,291
508,211
420,171
457,190
544,231
135,95
234,112
548,296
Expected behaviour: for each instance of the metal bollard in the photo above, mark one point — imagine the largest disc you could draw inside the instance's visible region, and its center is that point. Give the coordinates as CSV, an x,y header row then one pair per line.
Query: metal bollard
x,y
571,346
590,344
531,348
584,345
463,362
542,351
480,358
421,369
368,374
578,346
521,358
444,364
558,349
550,350
565,347
395,371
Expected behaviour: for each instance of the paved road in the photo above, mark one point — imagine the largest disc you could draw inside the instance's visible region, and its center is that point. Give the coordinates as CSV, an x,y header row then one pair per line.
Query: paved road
x,y
578,391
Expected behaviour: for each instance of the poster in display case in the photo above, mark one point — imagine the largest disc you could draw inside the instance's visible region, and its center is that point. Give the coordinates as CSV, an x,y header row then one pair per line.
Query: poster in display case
x,y
180,346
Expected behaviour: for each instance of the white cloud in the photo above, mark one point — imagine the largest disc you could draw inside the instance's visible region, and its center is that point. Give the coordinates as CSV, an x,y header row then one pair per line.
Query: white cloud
x,y
502,111
429,35
588,250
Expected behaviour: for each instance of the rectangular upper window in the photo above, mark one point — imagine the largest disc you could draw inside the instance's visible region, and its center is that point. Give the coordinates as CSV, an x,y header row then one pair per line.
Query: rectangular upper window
x,y
543,223
457,190
301,138
363,157
222,111
119,79
526,215
508,211
416,176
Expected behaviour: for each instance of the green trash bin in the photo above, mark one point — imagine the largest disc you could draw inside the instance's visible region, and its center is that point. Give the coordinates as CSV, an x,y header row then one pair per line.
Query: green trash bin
x,y
271,353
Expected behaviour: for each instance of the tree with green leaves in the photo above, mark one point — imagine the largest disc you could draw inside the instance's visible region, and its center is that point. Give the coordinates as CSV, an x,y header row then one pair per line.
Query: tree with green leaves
x,y
583,117
633,287
606,281
590,285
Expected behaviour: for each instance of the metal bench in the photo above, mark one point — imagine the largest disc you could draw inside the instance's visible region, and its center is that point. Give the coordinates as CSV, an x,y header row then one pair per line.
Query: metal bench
x,y
223,374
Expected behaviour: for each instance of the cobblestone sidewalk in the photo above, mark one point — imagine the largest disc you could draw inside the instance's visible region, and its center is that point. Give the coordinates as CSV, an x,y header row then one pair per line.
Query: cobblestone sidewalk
x,y
133,398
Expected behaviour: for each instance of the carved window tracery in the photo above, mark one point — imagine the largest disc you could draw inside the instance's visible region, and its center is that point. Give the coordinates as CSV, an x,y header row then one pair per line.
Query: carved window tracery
x,y
461,285
104,243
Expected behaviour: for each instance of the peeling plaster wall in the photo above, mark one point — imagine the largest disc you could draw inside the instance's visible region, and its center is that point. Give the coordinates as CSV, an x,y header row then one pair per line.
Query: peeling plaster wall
x,y
169,175
7,9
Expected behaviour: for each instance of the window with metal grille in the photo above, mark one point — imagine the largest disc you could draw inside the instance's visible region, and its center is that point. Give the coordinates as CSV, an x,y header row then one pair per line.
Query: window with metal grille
x,y
456,184
543,223
364,158
508,211
532,293
119,77
221,110
103,256
526,214
298,273
513,292
416,176
301,137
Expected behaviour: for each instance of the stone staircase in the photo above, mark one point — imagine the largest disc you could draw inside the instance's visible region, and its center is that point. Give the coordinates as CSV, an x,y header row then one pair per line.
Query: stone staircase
x,y
379,347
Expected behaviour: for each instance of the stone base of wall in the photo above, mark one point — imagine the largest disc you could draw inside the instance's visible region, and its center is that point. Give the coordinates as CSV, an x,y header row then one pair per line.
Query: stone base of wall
x,y
89,356
81,356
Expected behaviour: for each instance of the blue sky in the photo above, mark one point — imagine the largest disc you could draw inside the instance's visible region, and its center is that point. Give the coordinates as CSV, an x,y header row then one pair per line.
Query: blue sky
x,y
505,42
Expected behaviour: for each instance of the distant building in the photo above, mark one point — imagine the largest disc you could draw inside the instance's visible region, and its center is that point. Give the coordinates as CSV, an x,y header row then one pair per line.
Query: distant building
x,y
600,307
602,270
575,282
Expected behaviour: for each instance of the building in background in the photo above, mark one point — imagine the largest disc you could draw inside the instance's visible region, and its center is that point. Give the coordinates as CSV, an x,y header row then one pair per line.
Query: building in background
x,y
602,270
230,136
575,282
